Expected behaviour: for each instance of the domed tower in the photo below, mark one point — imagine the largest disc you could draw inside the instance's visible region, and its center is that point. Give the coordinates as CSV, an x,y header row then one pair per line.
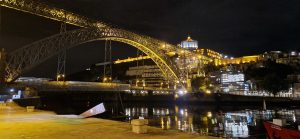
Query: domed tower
x,y
189,43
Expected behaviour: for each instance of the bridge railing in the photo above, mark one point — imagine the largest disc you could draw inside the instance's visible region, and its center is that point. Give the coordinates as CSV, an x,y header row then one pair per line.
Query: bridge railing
x,y
76,86
40,9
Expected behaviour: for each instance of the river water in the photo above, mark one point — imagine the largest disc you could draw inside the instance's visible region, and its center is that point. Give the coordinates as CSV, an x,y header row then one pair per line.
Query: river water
x,y
213,120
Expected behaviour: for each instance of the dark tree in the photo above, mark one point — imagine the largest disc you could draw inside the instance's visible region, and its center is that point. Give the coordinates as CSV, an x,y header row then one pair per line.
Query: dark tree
x,y
209,68
274,83
270,77
200,84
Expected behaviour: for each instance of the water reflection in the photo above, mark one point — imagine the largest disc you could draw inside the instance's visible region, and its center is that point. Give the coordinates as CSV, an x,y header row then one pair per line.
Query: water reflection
x,y
242,124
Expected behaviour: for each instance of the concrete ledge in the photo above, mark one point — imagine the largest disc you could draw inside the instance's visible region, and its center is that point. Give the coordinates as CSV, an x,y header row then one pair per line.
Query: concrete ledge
x,y
139,126
18,124
30,108
139,122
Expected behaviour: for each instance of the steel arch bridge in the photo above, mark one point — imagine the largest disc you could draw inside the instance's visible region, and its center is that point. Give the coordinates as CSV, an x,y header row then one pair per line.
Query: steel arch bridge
x,y
33,54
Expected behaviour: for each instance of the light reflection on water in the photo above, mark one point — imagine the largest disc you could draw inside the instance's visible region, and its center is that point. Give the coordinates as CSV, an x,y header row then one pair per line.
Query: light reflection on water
x,y
242,123
215,120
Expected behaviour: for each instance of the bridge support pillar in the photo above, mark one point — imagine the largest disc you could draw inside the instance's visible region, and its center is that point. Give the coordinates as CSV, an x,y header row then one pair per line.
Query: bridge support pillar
x,y
189,85
2,66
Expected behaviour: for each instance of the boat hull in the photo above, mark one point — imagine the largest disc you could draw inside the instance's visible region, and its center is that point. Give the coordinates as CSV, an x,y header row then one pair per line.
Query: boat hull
x,y
278,132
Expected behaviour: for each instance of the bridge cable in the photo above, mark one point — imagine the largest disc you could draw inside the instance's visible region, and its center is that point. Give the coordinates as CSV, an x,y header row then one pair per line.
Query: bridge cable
x,y
0,22
107,69
137,67
143,70
61,60
2,65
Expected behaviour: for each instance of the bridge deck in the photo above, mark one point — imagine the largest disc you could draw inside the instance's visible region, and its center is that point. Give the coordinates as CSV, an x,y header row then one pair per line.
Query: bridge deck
x,y
84,86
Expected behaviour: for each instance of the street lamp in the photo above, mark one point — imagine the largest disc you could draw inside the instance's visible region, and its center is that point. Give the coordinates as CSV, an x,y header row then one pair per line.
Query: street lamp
x,y
104,79
57,77
144,83
60,77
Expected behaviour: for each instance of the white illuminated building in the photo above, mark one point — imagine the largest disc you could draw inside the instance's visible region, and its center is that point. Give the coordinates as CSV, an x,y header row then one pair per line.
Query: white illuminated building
x,y
232,81
189,43
231,77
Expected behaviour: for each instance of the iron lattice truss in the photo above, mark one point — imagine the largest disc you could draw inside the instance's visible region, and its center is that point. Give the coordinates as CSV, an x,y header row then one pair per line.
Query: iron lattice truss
x,y
33,54
37,8
40,9
29,56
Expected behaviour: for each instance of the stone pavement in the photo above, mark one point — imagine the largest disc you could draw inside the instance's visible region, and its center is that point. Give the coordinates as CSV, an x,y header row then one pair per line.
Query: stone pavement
x,y
16,123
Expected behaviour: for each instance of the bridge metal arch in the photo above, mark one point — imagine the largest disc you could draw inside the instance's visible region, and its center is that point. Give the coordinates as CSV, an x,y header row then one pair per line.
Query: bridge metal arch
x,y
31,55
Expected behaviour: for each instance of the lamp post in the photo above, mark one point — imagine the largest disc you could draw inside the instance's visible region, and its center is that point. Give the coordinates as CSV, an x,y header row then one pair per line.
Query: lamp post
x,y
60,77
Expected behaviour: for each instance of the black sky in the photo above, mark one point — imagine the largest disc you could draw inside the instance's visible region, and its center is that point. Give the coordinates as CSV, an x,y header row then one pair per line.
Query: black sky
x,y
235,27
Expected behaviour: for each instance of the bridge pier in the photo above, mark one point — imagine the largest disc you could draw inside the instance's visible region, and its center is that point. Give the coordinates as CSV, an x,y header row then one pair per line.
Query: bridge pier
x,y
2,66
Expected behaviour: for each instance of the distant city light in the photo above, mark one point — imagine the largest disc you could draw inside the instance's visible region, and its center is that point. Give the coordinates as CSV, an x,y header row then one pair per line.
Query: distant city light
x,y
12,90
293,53
207,91
209,114
180,92
181,112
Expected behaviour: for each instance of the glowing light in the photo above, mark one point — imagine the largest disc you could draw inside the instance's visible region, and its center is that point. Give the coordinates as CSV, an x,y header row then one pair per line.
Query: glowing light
x,y
181,111
180,92
11,90
293,53
209,114
176,96
207,91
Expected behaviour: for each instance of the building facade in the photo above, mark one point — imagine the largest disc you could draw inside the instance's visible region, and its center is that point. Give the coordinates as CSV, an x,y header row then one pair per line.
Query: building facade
x,y
189,43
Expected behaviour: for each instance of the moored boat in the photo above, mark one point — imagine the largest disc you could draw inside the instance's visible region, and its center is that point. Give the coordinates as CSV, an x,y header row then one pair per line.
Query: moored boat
x,y
277,131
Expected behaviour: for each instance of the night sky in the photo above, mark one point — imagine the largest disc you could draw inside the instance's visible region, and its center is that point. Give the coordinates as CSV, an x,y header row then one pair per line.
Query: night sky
x,y
234,27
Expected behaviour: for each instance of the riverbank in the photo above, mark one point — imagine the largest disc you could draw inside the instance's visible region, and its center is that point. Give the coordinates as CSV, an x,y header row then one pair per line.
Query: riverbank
x,y
17,123
213,98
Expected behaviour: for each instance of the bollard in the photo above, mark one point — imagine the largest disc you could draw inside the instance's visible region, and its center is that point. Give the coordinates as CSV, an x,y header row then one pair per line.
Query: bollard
x,y
30,108
2,105
139,126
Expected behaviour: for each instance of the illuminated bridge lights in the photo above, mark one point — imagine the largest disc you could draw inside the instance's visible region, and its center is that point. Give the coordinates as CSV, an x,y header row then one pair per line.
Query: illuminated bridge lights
x,y
159,51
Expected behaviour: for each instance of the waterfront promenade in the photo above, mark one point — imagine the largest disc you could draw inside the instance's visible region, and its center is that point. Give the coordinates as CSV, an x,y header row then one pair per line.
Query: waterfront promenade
x,y
16,123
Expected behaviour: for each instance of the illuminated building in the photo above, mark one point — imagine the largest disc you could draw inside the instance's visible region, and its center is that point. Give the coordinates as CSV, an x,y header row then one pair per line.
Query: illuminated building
x,y
233,81
230,81
272,55
189,43
211,55
230,77
291,58
296,89
241,60
147,76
